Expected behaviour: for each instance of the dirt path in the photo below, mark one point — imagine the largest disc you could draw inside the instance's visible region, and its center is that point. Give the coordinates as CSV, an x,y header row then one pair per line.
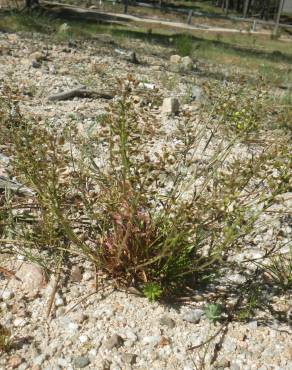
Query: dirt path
x,y
107,16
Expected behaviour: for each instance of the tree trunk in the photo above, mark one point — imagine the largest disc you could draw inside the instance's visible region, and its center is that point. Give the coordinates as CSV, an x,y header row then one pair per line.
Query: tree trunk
x,y
246,8
226,6
280,9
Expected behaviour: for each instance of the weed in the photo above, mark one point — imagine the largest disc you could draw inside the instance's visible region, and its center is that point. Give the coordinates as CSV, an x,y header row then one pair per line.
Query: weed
x,y
152,291
145,218
5,339
213,311
279,270
184,45
240,110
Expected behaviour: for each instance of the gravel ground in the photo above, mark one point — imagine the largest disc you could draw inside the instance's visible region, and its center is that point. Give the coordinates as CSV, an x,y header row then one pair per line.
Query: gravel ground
x,y
111,329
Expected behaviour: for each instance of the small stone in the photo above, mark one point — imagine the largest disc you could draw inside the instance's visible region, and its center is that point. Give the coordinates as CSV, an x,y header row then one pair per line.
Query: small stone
x,y
186,64
146,85
35,367
115,341
32,276
130,335
236,278
197,93
105,364
39,359
76,274
170,106
167,321
92,353
60,311
24,366
129,358
37,56
253,325
175,59
6,294
151,339
83,338
19,322
73,326
14,361
59,301
222,363
87,275
35,64
62,362
81,361
136,99
193,316
235,366
78,317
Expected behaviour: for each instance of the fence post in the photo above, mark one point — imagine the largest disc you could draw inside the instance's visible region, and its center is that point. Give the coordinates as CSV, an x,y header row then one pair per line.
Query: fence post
x,y
189,20
125,6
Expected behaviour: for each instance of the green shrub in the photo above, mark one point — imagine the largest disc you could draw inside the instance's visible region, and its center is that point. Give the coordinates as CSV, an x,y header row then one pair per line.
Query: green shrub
x,y
184,45
150,219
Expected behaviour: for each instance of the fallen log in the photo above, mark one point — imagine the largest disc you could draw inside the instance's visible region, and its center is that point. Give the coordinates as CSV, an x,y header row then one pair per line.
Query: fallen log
x,y
81,92
13,185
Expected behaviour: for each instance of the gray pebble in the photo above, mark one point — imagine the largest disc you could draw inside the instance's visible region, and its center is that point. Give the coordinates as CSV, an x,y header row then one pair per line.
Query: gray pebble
x,y
167,321
235,366
22,366
129,358
253,325
81,361
115,341
151,339
193,316
39,359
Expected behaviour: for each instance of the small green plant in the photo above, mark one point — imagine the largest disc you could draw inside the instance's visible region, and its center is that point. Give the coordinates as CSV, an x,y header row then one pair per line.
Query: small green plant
x,y
213,311
239,111
279,271
5,339
184,45
152,291
253,299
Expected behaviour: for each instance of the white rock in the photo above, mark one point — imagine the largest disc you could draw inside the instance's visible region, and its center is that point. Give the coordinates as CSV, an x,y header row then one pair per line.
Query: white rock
x,y
20,322
130,335
6,294
39,359
87,275
253,325
72,326
193,316
151,339
92,352
146,85
83,338
170,106
62,362
175,59
187,63
32,276
59,301
236,278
